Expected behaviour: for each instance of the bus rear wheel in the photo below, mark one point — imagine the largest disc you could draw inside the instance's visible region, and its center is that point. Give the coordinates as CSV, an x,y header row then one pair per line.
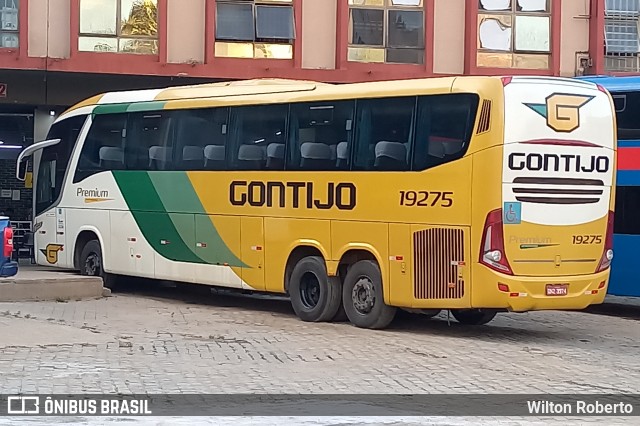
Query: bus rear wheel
x,y
363,298
91,264
315,296
473,316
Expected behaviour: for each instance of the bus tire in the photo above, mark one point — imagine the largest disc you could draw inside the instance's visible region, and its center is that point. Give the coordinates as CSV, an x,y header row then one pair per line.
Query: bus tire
x,y
363,298
315,296
91,262
473,316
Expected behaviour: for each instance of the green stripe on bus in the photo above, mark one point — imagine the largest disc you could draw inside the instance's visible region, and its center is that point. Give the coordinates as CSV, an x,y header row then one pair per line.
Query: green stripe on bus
x,y
156,225
129,107
146,106
178,196
159,231
110,109
176,192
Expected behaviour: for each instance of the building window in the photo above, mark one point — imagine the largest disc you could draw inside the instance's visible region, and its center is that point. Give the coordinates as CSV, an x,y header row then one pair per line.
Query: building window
x,y
514,34
255,29
9,23
621,35
386,31
119,26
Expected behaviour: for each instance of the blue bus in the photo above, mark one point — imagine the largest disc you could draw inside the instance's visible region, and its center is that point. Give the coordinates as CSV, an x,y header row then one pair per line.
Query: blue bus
x,y
626,240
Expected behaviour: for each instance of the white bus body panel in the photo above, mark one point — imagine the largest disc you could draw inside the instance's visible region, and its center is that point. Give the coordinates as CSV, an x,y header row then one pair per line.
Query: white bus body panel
x,y
575,122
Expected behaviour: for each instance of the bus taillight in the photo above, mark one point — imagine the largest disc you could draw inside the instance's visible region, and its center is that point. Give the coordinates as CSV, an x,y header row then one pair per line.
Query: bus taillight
x,y
7,241
492,252
607,253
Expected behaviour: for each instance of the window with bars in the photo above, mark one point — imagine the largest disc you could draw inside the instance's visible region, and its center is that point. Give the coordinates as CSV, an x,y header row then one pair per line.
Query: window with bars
x,y
389,31
621,35
119,26
514,34
9,23
255,29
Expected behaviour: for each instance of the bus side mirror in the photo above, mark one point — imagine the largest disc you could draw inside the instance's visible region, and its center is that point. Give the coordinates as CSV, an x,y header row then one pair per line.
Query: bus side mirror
x,y
21,172
23,159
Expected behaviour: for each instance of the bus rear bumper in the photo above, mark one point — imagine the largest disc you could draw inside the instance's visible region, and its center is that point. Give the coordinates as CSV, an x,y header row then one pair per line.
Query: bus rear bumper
x,y
521,294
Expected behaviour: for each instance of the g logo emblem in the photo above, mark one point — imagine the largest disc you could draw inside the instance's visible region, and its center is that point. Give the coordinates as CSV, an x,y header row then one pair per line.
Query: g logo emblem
x,y
51,253
562,111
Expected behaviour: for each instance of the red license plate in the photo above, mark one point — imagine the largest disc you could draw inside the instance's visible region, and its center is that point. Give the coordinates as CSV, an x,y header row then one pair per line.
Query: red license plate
x,y
557,289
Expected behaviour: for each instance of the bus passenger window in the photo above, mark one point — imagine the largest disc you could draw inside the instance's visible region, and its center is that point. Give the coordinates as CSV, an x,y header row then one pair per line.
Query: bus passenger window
x,y
103,146
200,139
316,131
384,133
256,137
627,206
149,142
444,128
627,110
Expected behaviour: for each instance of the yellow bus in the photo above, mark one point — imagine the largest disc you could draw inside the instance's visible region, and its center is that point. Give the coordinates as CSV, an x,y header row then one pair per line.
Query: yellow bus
x,y
471,194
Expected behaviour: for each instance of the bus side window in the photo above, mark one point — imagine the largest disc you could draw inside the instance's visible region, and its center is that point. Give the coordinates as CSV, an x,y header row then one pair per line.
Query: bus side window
x,y
255,134
627,110
149,141
444,128
200,139
103,146
627,206
316,131
384,133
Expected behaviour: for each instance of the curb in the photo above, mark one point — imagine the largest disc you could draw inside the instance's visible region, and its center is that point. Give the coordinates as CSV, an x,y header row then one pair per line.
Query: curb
x,y
48,289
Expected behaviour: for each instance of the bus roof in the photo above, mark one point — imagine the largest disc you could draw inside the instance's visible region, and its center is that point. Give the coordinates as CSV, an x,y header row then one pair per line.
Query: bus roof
x,y
210,94
254,87
614,84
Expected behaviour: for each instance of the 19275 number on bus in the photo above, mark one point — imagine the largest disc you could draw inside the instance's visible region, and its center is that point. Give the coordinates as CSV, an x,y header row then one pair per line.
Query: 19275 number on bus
x,y
426,198
587,239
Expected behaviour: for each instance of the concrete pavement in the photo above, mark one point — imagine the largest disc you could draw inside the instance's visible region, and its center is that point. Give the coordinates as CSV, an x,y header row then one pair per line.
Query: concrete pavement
x,y
160,339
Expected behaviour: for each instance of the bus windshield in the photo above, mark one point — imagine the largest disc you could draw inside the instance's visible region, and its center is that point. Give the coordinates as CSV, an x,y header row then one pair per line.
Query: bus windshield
x,y
54,162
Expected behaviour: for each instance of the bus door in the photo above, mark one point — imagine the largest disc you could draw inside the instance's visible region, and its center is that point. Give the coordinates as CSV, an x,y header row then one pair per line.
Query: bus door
x,y
49,225
48,221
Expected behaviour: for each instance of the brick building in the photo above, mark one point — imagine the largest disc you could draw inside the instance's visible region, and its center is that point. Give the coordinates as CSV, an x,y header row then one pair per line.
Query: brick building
x,y
54,53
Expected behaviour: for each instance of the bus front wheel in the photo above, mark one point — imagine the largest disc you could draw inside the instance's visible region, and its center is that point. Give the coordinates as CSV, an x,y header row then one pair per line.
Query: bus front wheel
x,y
91,264
363,298
473,316
315,296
